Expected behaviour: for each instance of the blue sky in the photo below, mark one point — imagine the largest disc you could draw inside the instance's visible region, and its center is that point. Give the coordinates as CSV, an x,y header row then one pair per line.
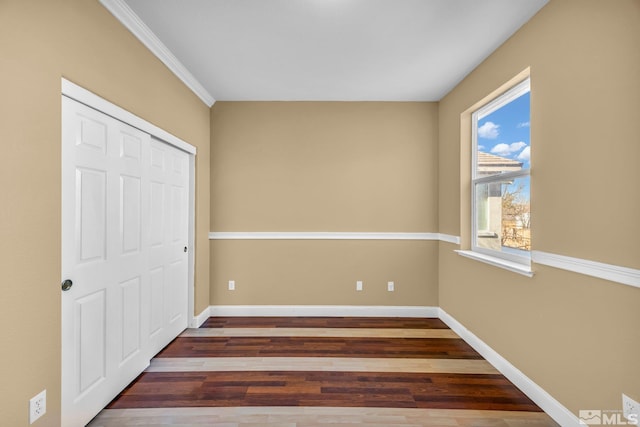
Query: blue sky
x,y
505,132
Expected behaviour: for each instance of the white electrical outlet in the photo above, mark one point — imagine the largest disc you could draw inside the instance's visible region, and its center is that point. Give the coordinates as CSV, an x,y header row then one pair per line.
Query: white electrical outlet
x,y
359,285
630,409
391,286
37,406
232,285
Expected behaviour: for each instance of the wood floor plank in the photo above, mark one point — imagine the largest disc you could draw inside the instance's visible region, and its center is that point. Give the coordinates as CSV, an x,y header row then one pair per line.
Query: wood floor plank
x,y
334,389
451,348
317,417
320,332
324,322
326,364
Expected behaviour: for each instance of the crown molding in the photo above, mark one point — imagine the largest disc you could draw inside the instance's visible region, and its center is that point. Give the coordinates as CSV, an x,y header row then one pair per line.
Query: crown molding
x,y
138,28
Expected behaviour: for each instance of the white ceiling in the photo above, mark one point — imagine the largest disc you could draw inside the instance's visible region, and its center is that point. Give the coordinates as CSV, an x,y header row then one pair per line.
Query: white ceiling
x,y
342,50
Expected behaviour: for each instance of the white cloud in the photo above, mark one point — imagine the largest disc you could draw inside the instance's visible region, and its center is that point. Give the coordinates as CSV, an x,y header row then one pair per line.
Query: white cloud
x,y
508,149
524,124
481,147
525,155
489,130
501,149
516,146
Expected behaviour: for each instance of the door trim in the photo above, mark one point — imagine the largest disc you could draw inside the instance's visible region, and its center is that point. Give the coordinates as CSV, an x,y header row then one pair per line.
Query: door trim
x,y
82,95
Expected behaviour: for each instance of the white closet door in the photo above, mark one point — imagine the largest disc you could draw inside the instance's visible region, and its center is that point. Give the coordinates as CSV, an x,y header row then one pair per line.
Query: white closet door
x,y
108,221
169,228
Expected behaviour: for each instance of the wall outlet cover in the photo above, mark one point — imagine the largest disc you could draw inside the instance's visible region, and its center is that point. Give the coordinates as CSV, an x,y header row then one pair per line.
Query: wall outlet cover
x,y
359,285
37,406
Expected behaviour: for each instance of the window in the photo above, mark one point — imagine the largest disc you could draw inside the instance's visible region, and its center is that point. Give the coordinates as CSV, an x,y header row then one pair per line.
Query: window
x,y
501,214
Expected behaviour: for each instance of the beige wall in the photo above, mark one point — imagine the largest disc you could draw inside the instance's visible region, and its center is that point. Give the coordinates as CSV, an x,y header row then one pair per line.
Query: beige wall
x,y
40,42
370,167
324,166
574,335
324,272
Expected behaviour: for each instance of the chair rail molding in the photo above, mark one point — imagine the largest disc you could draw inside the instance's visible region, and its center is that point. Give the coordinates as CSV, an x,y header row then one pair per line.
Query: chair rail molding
x,y
614,273
316,235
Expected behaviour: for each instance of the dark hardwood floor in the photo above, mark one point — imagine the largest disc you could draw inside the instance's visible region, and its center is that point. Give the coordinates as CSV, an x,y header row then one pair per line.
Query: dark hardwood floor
x,y
432,348
333,389
325,322
240,387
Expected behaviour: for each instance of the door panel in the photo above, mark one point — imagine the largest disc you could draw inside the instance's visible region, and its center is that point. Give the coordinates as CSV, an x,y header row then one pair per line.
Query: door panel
x,y
156,307
157,158
176,214
174,297
121,231
131,147
91,340
92,210
92,133
131,216
157,219
130,291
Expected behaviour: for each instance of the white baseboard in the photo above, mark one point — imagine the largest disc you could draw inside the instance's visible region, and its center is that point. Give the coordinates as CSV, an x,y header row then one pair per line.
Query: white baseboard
x,y
323,310
198,320
544,400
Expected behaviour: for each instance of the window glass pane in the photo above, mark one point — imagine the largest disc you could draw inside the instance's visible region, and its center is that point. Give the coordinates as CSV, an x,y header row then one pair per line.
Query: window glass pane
x,y
503,216
503,141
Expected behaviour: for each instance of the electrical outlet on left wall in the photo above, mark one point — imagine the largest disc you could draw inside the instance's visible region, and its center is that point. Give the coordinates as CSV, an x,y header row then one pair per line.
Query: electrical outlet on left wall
x,y
37,406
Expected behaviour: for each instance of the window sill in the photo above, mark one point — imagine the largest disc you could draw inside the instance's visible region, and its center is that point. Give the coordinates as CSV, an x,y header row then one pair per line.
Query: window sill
x,y
525,270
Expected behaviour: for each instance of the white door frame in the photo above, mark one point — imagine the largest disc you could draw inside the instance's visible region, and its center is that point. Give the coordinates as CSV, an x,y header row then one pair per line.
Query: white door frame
x,y
78,93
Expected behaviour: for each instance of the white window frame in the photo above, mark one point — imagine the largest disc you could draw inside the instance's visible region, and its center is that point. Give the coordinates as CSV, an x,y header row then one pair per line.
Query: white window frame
x,y
489,254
